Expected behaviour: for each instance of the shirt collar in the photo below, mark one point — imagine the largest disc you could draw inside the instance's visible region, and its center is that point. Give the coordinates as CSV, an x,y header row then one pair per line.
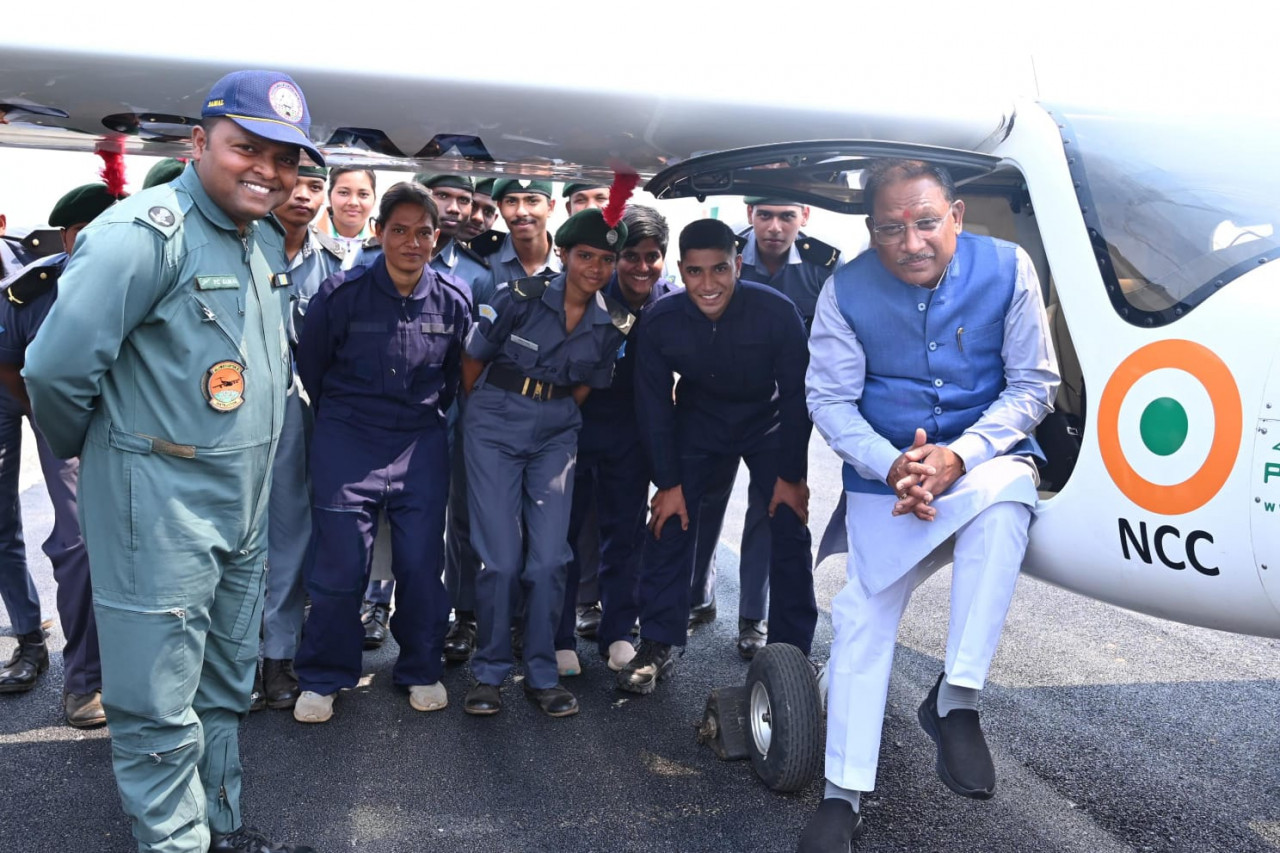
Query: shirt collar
x,y
507,254
189,182
597,312
751,255
382,280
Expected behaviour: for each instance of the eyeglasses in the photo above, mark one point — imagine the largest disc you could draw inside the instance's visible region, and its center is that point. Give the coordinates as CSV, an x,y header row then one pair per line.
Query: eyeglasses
x,y
895,232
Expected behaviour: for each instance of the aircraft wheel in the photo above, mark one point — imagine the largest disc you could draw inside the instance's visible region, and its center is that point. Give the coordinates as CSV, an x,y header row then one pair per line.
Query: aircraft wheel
x,y
784,718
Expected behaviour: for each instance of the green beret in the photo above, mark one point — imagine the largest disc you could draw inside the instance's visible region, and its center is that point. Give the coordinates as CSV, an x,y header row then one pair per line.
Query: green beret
x,y
457,182
484,186
163,172
511,185
754,200
81,205
570,189
587,227
311,170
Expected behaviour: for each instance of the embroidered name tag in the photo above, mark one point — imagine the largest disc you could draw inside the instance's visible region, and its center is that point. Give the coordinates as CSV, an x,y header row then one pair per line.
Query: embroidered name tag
x,y
217,282
516,339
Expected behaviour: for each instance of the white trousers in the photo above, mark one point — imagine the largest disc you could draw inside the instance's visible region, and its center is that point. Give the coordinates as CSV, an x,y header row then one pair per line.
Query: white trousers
x,y
988,552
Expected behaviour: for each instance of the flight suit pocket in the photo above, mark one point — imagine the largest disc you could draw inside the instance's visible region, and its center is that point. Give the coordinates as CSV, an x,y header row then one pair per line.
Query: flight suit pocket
x,y
216,315
150,667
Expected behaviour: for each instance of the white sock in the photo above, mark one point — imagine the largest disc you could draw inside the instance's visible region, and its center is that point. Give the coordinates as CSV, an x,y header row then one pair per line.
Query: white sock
x,y
835,792
951,698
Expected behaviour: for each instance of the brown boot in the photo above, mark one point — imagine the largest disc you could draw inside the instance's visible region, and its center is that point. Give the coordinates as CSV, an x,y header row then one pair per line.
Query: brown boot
x,y
84,710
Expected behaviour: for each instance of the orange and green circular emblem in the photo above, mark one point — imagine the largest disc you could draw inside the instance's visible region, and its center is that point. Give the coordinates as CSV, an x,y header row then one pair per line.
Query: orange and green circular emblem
x,y
224,386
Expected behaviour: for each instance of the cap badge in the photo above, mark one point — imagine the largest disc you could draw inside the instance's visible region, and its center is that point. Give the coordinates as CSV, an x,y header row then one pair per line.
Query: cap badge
x,y
161,216
611,236
224,386
286,101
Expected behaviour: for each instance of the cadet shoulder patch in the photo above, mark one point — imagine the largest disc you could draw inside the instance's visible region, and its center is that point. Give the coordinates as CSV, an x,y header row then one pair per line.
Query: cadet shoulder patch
x,y
817,252
471,253
371,243
533,287
486,244
32,284
43,242
163,218
623,320
330,245
487,312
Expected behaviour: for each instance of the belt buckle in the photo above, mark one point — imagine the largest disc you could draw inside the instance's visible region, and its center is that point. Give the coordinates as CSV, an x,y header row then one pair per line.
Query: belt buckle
x,y
538,394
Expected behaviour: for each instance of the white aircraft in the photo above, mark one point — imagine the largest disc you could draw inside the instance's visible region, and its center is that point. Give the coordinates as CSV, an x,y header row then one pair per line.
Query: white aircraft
x,y
1154,237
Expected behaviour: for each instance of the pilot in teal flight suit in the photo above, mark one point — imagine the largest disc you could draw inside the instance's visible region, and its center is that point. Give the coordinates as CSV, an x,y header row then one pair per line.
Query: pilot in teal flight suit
x,y
164,365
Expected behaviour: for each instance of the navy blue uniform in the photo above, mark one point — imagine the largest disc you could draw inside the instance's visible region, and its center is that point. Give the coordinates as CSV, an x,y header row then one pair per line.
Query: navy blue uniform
x,y
740,396
612,475
381,369
28,296
521,433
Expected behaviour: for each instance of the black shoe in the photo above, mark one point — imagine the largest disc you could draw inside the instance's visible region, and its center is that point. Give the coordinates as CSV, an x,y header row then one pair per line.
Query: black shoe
x,y
964,762
483,699
280,683
832,828
84,710
554,701
588,620
752,635
652,663
248,840
375,626
703,614
30,658
257,696
460,642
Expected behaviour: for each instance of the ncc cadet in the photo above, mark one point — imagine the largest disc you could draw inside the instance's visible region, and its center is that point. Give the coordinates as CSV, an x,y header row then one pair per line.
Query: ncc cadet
x,y
775,252
739,349
538,348
164,365
526,250
612,472
585,194
311,256
483,212
30,294
380,356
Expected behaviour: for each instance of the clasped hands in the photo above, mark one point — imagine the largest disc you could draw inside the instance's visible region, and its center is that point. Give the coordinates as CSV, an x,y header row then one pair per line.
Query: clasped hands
x,y
920,474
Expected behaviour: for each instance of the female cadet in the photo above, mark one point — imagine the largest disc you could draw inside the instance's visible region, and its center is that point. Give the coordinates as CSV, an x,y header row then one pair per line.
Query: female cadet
x,y
380,355
351,196
535,352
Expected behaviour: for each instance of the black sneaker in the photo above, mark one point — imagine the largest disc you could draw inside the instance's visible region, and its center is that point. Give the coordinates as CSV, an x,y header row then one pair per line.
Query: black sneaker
x,y
246,839
964,761
653,662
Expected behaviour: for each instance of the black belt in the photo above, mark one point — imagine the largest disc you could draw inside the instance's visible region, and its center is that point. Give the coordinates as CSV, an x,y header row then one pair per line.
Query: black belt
x,y
526,386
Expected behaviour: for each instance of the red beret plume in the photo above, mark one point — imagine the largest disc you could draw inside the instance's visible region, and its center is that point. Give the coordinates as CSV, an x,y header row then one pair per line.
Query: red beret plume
x,y
112,171
624,183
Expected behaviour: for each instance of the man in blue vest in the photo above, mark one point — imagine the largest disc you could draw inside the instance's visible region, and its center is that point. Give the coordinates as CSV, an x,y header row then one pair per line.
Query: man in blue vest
x,y
930,365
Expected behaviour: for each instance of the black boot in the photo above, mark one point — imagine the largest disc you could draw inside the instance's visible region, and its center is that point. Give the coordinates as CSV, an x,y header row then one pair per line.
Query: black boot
x,y
280,683
29,660
248,840
375,626
460,642
652,663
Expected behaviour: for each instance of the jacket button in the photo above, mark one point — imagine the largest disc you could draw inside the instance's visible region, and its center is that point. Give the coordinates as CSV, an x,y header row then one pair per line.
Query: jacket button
x,y
937,410
933,345
920,307
937,383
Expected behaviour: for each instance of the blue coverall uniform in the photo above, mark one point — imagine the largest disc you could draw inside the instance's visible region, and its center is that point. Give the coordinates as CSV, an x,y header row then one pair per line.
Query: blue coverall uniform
x,y
381,369
740,397
163,365
521,434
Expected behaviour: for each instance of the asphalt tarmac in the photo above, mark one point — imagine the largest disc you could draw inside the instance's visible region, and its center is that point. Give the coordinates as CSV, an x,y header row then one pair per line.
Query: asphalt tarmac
x,y
1110,732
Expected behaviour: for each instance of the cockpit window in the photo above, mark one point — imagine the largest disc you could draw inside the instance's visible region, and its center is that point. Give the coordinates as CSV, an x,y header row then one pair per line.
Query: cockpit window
x,y
1176,208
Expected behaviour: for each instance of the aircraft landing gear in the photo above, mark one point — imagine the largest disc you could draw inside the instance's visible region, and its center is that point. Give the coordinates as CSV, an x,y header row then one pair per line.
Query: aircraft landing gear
x,y
776,719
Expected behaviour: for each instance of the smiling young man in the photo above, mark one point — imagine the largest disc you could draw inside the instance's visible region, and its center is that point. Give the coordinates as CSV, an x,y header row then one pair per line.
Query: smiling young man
x,y
163,365
527,249
935,434
739,349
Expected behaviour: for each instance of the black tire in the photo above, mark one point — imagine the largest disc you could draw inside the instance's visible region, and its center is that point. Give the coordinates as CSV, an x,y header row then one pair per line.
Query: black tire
x,y
785,724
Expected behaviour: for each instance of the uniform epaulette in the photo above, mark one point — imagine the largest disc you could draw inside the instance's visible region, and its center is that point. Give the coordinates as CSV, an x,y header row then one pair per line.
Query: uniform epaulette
x,y
486,244
816,252
623,319
42,243
371,243
465,248
741,240
529,288
330,245
33,282
165,217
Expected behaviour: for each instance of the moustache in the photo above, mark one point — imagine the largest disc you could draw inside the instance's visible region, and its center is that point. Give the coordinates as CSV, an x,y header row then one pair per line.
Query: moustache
x,y
919,256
